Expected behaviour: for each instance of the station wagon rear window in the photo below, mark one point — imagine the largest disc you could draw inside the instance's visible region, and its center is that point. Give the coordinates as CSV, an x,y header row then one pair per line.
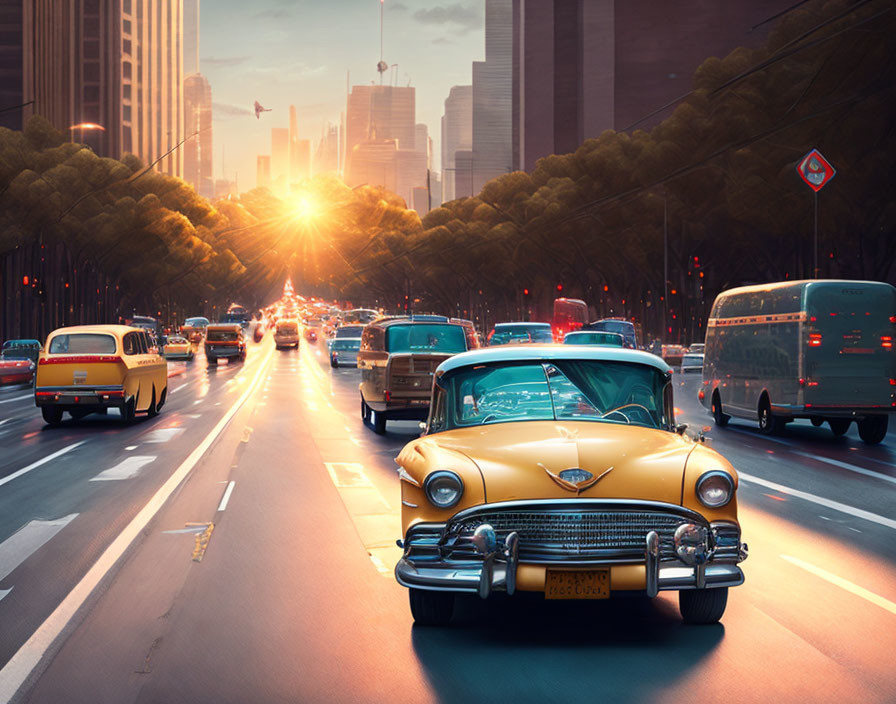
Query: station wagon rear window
x,y
222,336
347,344
83,343
448,339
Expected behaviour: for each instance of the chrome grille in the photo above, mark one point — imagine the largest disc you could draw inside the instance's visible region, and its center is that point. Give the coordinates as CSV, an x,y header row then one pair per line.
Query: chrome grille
x,y
547,535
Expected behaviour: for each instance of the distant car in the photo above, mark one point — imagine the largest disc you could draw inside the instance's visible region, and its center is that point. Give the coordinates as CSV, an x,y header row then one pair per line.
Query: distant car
x,y
91,368
520,334
691,363
286,334
18,360
351,331
344,352
224,341
603,339
697,348
672,354
626,328
178,347
194,329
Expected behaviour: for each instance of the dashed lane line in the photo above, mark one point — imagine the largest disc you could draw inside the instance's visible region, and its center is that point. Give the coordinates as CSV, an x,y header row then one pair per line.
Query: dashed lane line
x,y
820,500
128,468
18,669
226,498
25,542
851,587
40,462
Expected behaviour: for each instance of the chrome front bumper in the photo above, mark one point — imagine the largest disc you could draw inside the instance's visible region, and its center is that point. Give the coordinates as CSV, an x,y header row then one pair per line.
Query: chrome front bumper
x,y
497,568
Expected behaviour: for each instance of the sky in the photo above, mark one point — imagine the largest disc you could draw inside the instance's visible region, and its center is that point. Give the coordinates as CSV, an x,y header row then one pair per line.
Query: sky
x,y
283,52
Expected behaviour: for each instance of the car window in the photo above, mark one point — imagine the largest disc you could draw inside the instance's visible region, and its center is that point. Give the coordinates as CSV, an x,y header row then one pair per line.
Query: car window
x,y
426,338
130,344
82,343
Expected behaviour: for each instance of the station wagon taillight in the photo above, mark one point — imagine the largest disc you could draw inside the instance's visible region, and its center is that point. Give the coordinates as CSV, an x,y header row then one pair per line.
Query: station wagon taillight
x,y
814,339
81,359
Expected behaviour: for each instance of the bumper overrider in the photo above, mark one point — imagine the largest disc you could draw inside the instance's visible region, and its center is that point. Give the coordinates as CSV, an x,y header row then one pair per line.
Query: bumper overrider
x,y
105,396
480,550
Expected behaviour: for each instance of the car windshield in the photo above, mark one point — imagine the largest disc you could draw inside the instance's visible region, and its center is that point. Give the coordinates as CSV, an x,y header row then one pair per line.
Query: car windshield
x,y
287,329
82,343
449,339
347,343
350,331
222,336
692,359
608,339
18,351
585,390
196,322
176,341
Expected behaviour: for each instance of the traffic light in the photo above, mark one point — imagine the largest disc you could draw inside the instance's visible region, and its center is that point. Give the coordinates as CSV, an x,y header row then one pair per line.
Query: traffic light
x,y
25,280
525,292
606,288
559,287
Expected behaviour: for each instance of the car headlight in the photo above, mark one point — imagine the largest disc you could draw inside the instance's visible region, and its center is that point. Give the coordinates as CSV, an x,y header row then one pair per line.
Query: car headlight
x,y
443,488
715,488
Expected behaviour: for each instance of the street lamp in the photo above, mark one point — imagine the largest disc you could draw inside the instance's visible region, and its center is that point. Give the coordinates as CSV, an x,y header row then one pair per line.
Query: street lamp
x,y
90,126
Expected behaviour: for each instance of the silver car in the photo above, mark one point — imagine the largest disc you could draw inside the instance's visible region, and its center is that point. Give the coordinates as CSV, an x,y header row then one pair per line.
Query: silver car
x,y
344,351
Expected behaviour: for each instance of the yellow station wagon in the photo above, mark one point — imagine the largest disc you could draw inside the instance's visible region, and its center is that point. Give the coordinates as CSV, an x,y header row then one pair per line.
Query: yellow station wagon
x,y
560,470
91,368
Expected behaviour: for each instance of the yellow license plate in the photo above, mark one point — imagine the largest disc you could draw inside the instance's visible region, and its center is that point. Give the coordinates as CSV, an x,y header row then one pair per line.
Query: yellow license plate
x,y
582,584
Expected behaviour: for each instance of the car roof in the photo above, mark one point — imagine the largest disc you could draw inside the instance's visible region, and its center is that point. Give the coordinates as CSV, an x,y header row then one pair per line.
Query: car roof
x,y
21,343
108,329
523,353
226,326
389,322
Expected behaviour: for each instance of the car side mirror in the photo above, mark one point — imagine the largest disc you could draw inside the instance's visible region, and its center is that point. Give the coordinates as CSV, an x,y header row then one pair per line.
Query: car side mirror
x,y
680,428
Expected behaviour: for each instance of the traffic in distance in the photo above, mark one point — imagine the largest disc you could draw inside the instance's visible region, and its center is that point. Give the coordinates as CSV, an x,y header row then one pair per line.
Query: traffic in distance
x,y
535,462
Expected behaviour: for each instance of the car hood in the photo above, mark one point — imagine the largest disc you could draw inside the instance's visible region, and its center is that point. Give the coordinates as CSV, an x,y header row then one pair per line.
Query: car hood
x,y
517,459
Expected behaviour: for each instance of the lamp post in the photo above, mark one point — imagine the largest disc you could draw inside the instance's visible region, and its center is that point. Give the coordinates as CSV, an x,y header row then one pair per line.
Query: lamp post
x,y
82,126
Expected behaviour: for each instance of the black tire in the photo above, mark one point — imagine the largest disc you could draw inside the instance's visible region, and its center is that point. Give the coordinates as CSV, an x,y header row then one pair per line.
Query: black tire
x,y
817,422
702,606
720,418
365,410
769,423
839,426
52,414
212,361
334,364
153,410
431,608
128,410
873,429
379,423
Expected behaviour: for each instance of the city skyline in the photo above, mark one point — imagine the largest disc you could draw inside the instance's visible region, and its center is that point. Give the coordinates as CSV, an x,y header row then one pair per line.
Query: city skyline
x,y
434,50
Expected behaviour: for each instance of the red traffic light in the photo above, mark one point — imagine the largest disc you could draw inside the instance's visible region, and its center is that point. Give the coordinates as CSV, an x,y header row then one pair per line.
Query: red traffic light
x,y
525,292
24,281
606,288
559,287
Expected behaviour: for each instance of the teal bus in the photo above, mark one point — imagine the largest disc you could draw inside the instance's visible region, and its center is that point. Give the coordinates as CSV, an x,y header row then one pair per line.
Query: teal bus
x,y
819,349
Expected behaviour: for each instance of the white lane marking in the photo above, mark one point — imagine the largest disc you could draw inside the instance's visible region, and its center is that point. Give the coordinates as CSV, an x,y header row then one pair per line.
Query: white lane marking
x,y
130,448
163,434
20,666
35,465
847,465
4,592
197,402
5,420
227,492
128,468
27,540
820,500
177,388
192,529
867,595
18,398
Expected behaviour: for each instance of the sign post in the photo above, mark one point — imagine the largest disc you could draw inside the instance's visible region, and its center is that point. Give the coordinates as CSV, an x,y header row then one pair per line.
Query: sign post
x,y
815,171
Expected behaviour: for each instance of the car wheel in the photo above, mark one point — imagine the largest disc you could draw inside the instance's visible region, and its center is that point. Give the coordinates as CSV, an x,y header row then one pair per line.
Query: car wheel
x,y
720,418
431,608
52,414
379,423
873,429
153,410
128,411
839,426
769,423
334,364
702,606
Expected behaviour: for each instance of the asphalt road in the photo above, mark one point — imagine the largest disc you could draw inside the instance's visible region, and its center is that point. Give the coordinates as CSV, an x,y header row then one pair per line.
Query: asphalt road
x,y
102,598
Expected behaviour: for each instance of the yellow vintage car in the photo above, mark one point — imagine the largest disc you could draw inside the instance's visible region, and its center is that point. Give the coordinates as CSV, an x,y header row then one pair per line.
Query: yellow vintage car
x,y
561,470
91,368
178,347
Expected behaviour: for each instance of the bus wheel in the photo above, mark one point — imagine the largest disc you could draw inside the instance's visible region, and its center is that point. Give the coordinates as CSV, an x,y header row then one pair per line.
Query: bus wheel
x,y
769,423
839,426
873,429
720,418
52,414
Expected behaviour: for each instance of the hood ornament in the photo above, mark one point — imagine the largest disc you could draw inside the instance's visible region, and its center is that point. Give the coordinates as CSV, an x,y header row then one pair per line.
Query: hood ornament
x,y
575,479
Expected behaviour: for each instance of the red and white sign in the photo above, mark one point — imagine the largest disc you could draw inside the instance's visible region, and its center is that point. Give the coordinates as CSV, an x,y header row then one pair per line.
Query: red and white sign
x,y
815,170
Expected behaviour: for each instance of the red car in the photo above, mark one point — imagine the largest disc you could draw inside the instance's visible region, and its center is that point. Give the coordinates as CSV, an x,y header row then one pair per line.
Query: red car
x,y
18,359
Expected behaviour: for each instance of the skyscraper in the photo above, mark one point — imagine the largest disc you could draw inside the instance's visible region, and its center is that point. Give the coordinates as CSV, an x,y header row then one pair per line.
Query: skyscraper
x,y
116,63
457,135
326,157
294,167
198,149
377,113
584,66
492,96
263,171
191,36
280,158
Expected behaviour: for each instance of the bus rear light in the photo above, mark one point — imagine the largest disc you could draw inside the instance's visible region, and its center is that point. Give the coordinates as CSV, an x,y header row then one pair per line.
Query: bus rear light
x,y
814,339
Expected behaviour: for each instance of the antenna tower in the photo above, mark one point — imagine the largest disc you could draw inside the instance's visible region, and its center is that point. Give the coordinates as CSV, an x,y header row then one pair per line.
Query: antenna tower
x,y
382,66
